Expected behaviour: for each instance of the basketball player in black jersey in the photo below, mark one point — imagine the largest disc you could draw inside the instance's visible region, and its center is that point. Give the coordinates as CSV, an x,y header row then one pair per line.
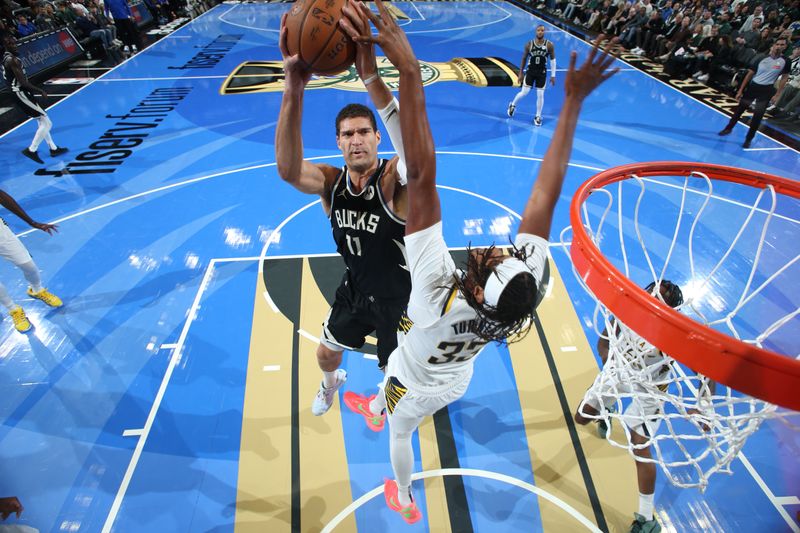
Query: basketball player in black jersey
x,y
23,91
495,296
366,203
533,71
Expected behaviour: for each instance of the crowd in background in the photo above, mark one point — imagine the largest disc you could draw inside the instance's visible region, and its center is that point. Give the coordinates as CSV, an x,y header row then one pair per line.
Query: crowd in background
x,y
712,41
107,25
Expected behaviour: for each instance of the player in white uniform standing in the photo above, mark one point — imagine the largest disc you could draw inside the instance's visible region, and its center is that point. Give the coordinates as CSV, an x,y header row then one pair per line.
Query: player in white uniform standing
x,y
12,249
455,313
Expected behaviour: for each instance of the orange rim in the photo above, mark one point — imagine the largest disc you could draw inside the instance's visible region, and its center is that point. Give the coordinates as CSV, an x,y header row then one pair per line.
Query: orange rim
x,y
760,373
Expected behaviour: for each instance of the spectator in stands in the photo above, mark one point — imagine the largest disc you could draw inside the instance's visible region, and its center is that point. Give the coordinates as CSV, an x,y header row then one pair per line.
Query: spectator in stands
x,y
725,27
751,38
646,38
90,27
765,41
104,22
787,106
120,11
705,54
46,20
65,15
759,86
677,39
24,26
758,13
79,9
632,27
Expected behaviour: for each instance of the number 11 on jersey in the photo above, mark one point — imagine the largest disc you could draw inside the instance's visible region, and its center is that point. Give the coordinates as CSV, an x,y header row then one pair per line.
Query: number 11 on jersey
x,y
354,245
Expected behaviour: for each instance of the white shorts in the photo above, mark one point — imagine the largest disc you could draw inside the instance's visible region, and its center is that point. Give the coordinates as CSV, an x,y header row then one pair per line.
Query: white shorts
x,y
11,248
406,409
641,415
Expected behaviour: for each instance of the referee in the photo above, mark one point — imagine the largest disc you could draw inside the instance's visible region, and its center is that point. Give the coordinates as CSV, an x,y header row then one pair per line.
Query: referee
x,y
759,85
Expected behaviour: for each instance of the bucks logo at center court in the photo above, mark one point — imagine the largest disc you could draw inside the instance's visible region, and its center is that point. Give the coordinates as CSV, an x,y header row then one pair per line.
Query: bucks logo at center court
x,y
268,76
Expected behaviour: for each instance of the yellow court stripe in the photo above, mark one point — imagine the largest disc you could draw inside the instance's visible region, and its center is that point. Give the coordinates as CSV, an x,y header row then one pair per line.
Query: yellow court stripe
x,y
263,493
324,473
553,457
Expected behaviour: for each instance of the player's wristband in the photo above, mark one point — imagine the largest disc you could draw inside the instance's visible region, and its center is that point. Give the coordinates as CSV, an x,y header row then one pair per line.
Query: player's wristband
x,y
390,116
369,79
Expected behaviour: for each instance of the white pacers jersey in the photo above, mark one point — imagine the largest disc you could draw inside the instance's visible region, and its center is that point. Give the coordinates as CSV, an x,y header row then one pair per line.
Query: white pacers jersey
x,y
439,349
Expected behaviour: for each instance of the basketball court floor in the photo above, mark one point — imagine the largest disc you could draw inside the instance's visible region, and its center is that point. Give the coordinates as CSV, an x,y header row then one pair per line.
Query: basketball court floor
x,y
172,392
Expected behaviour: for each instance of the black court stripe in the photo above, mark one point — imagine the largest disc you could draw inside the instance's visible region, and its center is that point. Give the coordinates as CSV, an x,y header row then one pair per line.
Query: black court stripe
x,y
599,517
296,508
458,509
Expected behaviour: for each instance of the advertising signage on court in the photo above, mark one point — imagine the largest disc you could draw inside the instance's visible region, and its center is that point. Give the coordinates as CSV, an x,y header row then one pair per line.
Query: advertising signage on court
x,y
47,50
212,53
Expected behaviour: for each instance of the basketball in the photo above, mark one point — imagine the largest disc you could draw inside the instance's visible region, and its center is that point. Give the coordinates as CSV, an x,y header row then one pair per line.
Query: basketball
x,y
313,32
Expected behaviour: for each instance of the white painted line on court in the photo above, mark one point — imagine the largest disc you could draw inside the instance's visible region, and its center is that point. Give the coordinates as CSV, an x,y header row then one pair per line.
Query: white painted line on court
x,y
173,361
749,467
766,149
271,303
549,290
132,432
787,500
760,481
307,335
571,511
370,356
271,368
168,346
569,348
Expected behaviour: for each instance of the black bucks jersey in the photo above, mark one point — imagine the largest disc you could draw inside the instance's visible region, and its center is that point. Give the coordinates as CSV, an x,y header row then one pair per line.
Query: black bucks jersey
x,y
537,58
369,237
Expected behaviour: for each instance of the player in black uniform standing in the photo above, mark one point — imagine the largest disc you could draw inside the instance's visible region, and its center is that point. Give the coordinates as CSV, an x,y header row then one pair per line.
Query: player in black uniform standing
x,y
23,91
366,203
533,70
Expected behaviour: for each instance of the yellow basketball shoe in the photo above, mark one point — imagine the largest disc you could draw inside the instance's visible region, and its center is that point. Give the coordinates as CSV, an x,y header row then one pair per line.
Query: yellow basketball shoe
x,y
46,296
21,321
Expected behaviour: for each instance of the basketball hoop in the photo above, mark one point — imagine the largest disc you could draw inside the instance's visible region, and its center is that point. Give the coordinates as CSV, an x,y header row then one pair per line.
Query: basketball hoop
x,y
741,342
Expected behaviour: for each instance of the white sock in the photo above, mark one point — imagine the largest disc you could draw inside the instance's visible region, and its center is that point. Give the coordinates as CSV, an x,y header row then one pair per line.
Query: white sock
x,y
31,272
328,379
402,457
646,506
404,495
378,403
539,102
5,299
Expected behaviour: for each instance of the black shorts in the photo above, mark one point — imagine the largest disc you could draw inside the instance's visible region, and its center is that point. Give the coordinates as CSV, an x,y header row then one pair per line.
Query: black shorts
x,y
28,103
536,79
353,316
754,91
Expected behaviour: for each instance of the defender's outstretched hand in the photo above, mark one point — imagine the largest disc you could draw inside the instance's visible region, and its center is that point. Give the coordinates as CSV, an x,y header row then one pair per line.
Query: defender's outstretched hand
x,y
594,71
294,68
390,37
356,22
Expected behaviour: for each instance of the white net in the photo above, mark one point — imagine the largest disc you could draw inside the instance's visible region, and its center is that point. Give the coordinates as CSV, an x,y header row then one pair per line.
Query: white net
x,y
736,262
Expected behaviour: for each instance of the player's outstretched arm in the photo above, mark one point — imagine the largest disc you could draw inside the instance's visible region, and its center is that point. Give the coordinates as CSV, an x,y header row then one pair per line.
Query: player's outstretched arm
x,y
7,201
304,176
538,214
423,201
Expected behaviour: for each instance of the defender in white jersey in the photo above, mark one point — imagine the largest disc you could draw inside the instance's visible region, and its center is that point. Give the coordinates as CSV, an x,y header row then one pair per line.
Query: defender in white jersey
x,y
452,313
641,414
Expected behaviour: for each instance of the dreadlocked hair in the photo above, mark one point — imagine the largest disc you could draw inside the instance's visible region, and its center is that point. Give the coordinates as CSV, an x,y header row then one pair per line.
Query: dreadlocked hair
x,y
672,294
511,319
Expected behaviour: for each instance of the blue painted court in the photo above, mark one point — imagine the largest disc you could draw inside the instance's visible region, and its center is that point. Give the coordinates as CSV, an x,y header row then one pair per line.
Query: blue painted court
x,y
172,391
